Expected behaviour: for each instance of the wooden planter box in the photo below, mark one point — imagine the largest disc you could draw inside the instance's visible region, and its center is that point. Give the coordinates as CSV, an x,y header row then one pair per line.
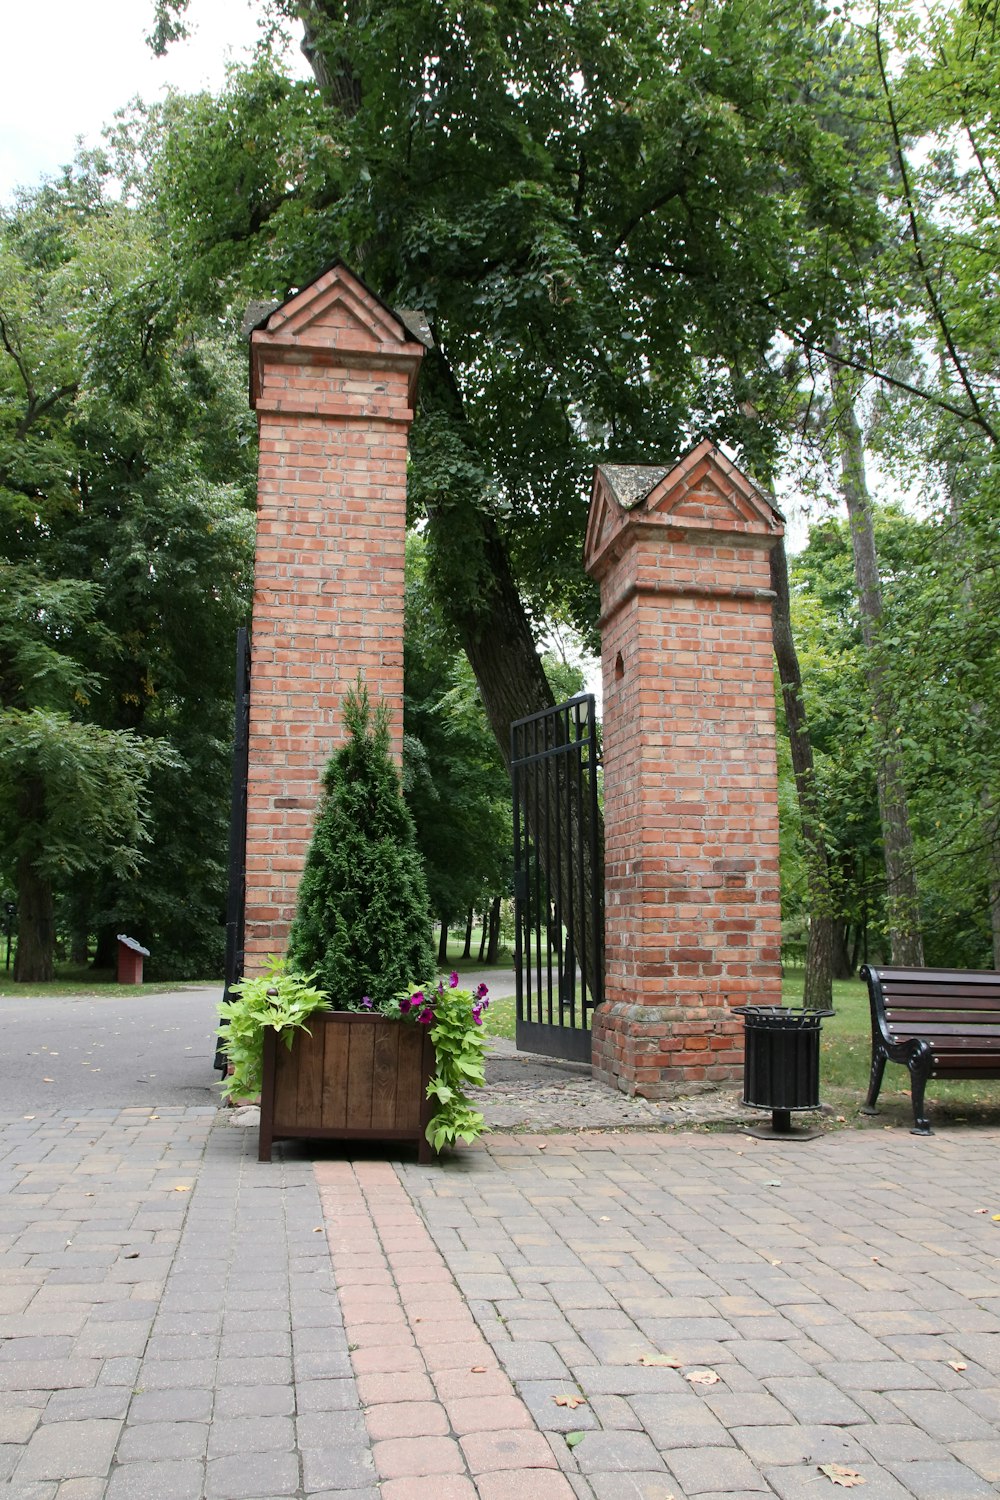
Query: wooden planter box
x,y
355,1077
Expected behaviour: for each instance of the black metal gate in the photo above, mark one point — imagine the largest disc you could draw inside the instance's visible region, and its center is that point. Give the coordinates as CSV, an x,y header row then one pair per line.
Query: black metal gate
x,y
237,897
558,878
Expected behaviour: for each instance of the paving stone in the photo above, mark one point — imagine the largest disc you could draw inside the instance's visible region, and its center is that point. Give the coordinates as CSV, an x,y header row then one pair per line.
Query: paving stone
x,y
617,1452
249,1475
69,1450
346,1466
813,1400
170,1479
154,1441
926,1479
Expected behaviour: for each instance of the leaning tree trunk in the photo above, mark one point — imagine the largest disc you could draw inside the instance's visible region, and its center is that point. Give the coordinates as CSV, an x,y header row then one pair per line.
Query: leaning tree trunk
x,y
897,838
818,989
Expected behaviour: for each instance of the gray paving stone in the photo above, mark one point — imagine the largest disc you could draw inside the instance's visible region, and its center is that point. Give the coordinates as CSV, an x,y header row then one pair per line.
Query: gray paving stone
x,y
169,1479
69,1450
658,1485
621,1452
171,1406
813,1400
701,1471
346,1466
234,1435
157,1441
251,1475
942,1416
930,1480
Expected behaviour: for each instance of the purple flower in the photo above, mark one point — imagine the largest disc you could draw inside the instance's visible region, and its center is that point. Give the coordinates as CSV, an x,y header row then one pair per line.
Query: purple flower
x,y
366,1002
453,981
480,992
477,1014
404,1005
426,1017
417,998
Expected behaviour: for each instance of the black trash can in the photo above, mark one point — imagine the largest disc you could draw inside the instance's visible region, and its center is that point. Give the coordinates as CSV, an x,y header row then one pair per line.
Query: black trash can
x,y
781,1065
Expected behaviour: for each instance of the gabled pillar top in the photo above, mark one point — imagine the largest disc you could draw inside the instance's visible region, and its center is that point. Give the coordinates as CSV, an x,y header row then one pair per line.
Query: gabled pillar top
x,y
338,319
704,492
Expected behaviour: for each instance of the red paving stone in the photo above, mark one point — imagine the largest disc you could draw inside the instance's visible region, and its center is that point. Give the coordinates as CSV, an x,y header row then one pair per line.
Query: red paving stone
x,y
437,1487
402,1419
528,1484
487,1413
382,1390
510,1449
410,1458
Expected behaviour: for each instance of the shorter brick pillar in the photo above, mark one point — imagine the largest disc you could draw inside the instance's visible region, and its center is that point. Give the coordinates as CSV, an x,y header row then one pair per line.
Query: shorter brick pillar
x,y
690,774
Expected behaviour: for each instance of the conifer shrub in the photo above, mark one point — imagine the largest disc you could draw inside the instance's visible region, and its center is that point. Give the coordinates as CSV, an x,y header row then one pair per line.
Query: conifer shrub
x,y
362,926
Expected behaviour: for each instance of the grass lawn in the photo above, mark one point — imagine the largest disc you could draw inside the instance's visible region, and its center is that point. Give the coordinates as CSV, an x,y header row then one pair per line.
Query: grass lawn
x,y
80,979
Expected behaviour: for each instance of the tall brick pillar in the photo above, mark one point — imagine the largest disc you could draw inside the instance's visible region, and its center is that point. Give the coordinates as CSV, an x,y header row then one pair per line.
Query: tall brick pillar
x,y
690,777
333,375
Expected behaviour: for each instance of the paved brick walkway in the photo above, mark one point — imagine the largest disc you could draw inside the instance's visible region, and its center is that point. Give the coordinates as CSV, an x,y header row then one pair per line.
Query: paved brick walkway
x,y
179,1322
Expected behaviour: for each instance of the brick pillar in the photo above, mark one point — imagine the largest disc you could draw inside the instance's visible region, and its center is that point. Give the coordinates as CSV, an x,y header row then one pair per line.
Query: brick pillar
x,y
333,377
690,776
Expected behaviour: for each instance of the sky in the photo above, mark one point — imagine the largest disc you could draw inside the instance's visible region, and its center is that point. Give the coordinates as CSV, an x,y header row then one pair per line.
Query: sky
x,y
70,64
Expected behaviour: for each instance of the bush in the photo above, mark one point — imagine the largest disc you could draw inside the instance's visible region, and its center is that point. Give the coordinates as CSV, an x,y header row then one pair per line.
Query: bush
x,y
362,923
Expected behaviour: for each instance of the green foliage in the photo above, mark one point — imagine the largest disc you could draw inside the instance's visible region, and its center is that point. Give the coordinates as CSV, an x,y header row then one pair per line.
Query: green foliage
x,y
454,1017
277,999
362,921
72,795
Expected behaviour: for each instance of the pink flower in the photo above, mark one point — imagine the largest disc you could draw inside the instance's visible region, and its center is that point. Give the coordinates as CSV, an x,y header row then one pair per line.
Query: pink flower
x,y
453,981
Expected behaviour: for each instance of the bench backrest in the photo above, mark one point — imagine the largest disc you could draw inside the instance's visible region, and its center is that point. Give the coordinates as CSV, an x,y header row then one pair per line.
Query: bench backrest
x,y
942,1002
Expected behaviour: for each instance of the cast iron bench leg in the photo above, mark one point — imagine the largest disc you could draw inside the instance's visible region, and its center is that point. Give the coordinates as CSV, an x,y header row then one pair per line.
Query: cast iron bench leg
x,y
874,1084
920,1071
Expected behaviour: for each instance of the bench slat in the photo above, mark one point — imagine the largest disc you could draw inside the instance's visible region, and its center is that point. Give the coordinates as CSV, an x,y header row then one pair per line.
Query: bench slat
x,y
912,1023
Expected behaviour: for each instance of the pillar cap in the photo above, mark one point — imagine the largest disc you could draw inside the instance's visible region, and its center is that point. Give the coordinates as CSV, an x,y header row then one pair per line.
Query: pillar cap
x,y
339,320
704,494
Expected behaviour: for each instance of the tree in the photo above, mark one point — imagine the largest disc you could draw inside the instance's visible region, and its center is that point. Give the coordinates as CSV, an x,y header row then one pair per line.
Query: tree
x,y
600,212
362,922
126,483
71,801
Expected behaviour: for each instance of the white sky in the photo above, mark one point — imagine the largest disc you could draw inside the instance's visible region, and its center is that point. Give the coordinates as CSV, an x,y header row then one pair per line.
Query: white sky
x,y
68,65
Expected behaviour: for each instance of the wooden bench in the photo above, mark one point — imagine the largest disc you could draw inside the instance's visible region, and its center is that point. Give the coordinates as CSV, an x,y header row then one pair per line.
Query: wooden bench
x,y
940,1023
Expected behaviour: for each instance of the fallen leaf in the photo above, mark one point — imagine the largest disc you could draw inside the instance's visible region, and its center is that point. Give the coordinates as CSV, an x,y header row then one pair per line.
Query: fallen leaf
x,y
996,1217
572,1401
847,1478
605,1218
27,1117
132,1255
841,1119
154,1117
478,1369
48,1080
776,1262
982,1210
572,1438
702,1377
669,1360
957,1365
181,1189
774,1182
543,1145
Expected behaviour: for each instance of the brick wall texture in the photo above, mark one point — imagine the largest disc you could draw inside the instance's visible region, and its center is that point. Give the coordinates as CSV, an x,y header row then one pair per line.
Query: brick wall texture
x,y
690,775
333,373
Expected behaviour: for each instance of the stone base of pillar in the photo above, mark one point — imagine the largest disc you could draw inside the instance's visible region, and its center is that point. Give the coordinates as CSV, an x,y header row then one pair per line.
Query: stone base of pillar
x,y
662,1051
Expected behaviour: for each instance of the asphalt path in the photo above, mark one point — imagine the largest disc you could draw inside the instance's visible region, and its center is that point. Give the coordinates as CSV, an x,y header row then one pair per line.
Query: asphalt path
x,y
91,1051
146,1048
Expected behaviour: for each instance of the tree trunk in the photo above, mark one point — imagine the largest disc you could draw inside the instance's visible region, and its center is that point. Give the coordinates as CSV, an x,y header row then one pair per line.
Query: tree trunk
x,y
443,945
903,904
818,988
483,936
467,950
33,961
493,950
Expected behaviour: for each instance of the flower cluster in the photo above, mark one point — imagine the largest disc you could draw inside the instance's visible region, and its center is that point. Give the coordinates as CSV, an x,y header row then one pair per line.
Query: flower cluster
x,y
421,1007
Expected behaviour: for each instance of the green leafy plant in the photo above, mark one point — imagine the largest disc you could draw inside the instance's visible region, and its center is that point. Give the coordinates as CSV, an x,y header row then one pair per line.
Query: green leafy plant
x,y
277,999
455,1018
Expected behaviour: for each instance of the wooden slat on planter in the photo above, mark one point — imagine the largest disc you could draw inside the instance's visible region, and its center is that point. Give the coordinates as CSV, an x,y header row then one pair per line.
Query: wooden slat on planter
x,y
409,1095
359,1078
385,1069
309,1096
286,1088
333,1113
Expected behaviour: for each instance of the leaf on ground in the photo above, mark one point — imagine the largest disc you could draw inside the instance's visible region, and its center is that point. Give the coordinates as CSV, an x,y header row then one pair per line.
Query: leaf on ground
x,y
958,1365
702,1377
982,1210
773,1182
572,1438
996,1217
478,1370
669,1360
48,1080
572,1401
180,1188
846,1478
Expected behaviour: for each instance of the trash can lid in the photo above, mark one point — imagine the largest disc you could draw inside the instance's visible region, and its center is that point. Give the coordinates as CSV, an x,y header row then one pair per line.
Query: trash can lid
x,y
128,942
